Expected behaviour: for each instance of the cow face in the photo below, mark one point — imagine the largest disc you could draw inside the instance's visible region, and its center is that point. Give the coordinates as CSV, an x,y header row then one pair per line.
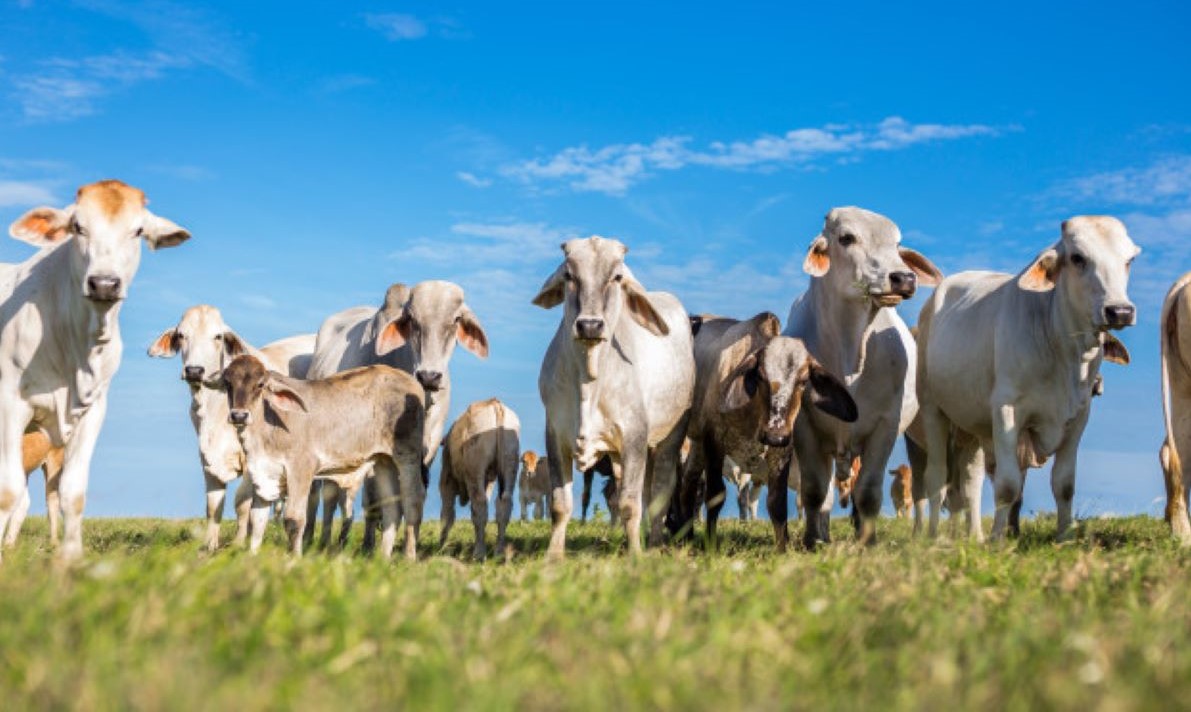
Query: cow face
x,y
1090,264
431,322
205,342
597,287
105,226
859,254
249,385
775,377
529,464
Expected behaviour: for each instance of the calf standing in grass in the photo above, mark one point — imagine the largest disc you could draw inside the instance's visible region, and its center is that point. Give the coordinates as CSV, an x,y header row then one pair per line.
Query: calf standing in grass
x,y
750,385
207,344
900,491
480,451
534,486
293,431
614,386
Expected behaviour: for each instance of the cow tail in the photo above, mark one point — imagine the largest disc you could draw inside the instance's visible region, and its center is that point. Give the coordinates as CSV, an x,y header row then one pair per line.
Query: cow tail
x,y
500,450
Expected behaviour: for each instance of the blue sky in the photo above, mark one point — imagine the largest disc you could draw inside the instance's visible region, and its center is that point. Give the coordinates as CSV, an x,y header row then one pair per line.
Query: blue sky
x,y
318,156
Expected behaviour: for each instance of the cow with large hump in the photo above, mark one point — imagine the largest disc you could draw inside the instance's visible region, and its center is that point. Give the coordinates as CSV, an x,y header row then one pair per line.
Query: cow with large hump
x,y
207,344
414,330
749,387
293,431
1013,361
60,340
617,381
859,272
480,451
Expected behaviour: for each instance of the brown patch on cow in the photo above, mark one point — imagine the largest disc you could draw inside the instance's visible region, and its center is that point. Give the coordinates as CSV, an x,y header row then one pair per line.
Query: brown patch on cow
x,y
44,223
111,197
817,261
35,448
900,492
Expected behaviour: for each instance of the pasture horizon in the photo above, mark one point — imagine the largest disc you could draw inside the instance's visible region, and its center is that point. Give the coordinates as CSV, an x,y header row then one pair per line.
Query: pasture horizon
x,y
318,160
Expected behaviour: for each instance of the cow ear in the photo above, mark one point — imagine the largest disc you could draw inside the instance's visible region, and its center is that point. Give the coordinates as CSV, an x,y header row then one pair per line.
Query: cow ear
x,y
1040,276
160,232
1114,350
233,344
768,325
284,398
817,261
830,395
928,274
393,336
641,309
552,292
42,227
743,384
166,345
471,334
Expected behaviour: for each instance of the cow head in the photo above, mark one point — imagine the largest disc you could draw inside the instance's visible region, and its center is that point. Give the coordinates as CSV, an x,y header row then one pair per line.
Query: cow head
x,y
1090,264
903,478
205,342
529,463
250,385
431,321
775,375
859,254
597,287
105,226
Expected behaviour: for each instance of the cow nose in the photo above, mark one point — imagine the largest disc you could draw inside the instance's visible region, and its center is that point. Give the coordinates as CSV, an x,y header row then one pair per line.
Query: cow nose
x,y
589,329
430,380
903,283
238,417
1118,316
193,374
103,288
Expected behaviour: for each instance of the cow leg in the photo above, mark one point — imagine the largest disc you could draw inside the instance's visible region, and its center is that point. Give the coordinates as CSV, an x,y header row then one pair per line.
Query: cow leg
x,y
560,456
776,502
868,492
298,484
916,454
588,476
479,518
53,502
663,477
632,465
242,501
258,519
330,495
938,432
969,460
688,494
346,503
216,494
412,495
76,471
18,518
504,505
754,499
13,480
386,482
1009,476
1015,510
370,503
447,493
317,487
715,491
1176,485
1062,475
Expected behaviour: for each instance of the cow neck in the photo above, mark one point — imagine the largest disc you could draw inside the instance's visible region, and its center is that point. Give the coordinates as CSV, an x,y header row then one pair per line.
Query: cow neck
x,y
88,338
589,362
1078,342
841,329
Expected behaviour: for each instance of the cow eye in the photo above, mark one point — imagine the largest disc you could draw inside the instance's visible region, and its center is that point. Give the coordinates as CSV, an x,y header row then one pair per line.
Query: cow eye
x,y
219,337
1079,260
847,239
618,278
139,232
77,229
568,276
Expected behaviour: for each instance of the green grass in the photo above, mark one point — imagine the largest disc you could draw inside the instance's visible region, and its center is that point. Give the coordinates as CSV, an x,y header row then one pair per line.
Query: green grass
x,y
149,622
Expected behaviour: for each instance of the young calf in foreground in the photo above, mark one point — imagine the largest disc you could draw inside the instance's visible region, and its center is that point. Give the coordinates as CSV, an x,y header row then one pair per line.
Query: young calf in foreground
x,y
479,451
296,430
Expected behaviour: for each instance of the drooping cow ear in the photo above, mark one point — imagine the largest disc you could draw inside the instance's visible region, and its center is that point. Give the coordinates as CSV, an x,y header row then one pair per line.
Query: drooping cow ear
x,y
160,232
42,227
768,325
817,260
928,274
283,397
393,336
1040,276
233,344
553,290
1114,350
166,345
471,334
641,309
830,395
743,384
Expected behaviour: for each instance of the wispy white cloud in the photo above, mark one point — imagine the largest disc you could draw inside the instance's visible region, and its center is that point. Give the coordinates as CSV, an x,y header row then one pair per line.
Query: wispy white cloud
x,y
258,301
401,27
1165,180
15,193
615,168
490,243
26,183
473,180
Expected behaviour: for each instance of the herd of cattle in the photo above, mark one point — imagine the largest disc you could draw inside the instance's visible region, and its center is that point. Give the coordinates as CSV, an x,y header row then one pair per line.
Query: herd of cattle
x,y
997,378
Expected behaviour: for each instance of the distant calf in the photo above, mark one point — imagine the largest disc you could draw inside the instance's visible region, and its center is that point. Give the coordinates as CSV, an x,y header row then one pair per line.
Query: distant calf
x,y
293,430
534,485
480,451
206,344
900,492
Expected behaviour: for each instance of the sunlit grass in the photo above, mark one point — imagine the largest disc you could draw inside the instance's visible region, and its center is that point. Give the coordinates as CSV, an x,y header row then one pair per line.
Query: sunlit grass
x,y
150,622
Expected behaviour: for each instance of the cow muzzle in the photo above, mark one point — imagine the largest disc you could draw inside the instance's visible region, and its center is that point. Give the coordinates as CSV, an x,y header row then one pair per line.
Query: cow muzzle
x,y
193,374
1118,316
589,329
903,284
430,380
239,417
103,288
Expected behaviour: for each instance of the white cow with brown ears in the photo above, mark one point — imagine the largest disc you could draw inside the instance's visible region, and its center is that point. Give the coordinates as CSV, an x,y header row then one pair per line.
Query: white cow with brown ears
x,y
1013,361
859,272
60,340
614,386
207,344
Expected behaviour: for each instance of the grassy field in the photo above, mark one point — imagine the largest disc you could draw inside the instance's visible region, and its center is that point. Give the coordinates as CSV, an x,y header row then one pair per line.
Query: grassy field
x,y
149,622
